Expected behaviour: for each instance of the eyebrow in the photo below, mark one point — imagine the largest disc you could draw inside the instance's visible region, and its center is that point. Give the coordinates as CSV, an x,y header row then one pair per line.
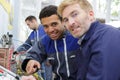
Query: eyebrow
x,y
70,14
64,19
73,12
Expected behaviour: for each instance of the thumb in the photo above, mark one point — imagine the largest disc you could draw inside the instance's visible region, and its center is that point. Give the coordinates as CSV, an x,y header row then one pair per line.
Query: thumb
x,y
37,64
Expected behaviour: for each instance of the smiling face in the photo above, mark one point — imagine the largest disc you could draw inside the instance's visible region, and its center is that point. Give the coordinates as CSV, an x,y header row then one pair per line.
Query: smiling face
x,y
77,20
53,26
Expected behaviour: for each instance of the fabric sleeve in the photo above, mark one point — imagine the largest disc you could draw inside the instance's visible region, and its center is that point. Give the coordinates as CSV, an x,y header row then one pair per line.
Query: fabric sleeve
x,y
25,46
37,53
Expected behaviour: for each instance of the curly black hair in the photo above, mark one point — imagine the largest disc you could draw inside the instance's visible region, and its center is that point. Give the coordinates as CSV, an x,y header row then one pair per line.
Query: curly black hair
x,y
48,11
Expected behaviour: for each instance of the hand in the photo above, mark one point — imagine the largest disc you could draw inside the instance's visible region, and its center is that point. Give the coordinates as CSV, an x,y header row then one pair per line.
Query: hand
x,y
32,66
30,77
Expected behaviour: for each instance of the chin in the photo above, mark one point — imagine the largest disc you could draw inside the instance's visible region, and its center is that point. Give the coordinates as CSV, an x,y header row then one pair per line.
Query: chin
x,y
54,38
75,36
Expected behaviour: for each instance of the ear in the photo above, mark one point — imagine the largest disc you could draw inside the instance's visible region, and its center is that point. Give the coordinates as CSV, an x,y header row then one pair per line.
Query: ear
x,y
91,13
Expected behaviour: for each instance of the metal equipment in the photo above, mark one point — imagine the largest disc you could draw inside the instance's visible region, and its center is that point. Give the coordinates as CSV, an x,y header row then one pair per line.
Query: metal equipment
x,y
17,77
6,40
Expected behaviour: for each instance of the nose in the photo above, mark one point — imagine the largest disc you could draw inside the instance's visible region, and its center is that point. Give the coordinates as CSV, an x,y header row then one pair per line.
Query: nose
x,y
51,29
71,22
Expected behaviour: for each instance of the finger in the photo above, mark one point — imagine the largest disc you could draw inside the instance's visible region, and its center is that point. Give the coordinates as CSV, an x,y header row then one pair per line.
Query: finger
x,y
29,66
34,70
38,65
32,66
29,69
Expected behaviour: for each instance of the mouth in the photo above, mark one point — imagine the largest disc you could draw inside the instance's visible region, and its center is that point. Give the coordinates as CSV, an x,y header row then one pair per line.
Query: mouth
x,y
53,35
75,28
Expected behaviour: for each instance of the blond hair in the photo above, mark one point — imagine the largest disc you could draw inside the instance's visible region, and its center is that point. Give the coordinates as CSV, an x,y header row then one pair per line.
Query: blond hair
x,y
84,4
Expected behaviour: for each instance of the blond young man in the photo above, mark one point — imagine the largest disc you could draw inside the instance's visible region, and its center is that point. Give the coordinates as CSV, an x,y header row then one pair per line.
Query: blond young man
x,y
99,43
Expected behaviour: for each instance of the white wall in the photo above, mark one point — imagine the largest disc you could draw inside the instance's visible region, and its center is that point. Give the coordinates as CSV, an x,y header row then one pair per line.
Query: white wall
x,y
4,21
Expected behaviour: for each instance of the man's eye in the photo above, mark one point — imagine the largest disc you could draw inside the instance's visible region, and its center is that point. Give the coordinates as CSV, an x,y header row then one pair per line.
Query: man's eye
x,y
74,14
54,24
45,26
65,20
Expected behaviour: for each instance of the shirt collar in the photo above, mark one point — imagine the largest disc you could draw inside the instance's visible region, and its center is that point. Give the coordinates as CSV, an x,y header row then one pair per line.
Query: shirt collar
x,y
81,39
89,33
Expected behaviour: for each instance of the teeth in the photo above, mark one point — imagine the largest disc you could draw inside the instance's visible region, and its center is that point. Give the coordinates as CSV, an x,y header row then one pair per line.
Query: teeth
x,y
53,34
